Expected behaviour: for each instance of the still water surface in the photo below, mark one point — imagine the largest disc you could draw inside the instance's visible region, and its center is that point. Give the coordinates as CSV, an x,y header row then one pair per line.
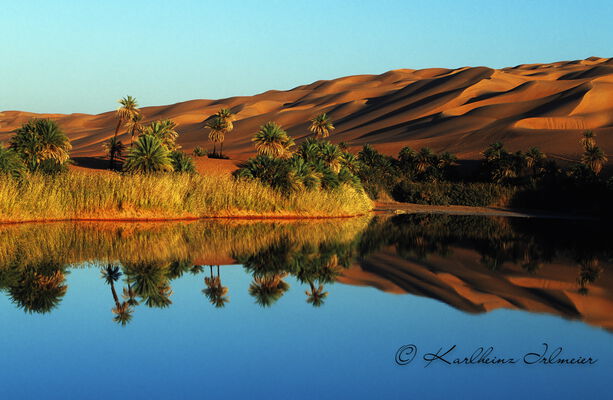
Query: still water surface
x,y
304,309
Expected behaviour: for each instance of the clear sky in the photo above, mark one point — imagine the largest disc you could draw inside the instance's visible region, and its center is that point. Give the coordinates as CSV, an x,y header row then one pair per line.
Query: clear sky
x,y
81,56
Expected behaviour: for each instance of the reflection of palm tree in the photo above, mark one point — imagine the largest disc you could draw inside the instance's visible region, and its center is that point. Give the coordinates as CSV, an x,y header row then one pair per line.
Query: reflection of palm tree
x,y
316,296
38,292
129,295
215,291
589,272
122,311
268,289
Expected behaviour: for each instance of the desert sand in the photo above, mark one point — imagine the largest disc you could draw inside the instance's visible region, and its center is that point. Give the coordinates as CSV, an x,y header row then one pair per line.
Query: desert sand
x,y
459,110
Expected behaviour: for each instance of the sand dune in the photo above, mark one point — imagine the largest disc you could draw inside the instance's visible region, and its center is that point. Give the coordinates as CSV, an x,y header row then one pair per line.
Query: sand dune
x,y
459,110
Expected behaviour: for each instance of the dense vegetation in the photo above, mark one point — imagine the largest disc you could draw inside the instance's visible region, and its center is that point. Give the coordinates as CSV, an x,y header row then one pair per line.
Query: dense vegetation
x,y
35,183
516,179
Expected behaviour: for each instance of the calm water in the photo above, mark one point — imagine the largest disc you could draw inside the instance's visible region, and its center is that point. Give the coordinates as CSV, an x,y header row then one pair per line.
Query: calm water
x,y
305,309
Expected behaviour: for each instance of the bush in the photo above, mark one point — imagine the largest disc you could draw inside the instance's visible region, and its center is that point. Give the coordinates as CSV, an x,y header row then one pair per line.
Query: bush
x,y
199,152
181,162
446,193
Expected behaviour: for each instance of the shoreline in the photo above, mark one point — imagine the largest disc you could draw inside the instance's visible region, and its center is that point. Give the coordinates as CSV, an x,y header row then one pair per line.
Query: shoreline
x,y
412,208
380,208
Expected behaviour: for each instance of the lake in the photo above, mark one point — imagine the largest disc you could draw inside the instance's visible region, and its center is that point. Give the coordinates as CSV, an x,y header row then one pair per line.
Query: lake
x,y
403,306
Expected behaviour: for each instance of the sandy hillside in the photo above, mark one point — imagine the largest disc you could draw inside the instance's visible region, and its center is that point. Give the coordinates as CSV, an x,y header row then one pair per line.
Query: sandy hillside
x,y
458,110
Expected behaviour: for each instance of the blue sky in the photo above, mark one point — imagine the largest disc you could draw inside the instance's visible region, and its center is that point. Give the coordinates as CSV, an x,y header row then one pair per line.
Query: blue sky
x,y
70,56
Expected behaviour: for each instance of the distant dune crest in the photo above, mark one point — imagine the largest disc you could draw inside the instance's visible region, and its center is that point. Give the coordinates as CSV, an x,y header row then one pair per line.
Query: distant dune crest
x,y
459,110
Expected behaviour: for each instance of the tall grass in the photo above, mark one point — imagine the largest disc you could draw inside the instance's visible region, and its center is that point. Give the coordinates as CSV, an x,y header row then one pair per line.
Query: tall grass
x,y
114,196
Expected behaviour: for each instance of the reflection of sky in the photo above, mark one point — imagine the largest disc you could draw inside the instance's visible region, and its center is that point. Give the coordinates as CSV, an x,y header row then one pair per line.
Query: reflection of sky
x,y
344,349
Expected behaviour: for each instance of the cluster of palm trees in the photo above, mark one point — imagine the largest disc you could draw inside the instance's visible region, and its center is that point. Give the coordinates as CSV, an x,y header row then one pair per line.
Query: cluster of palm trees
x,y
219,125
501,166
155,148
316,163
39,145
593,156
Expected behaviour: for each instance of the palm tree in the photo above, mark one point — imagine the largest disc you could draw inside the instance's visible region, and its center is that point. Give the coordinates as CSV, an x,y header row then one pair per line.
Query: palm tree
x,y
273,141
165,130
316,296
148,155
332,156
424,159
227,117
588,139
39,140
135,126
217,130
126,111
321,125
114,149
534,160
594,158
129,295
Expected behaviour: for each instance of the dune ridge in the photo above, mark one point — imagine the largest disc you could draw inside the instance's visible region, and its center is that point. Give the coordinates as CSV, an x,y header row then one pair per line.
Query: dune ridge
x,y
459,110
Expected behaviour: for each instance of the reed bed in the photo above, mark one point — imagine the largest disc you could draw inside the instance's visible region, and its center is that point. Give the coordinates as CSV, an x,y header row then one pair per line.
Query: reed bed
x,y
165,196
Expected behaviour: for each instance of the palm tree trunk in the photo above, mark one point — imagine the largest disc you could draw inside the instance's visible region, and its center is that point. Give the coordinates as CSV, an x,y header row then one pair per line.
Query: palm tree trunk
x,y
117,127
213,148
221,151
112,161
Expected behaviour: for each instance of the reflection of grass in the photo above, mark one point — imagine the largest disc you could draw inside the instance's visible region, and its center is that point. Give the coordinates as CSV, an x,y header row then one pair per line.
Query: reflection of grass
x,y
113,196
71,243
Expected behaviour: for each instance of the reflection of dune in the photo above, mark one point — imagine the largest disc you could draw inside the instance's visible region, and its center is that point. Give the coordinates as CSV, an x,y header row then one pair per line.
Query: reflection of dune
x,y
464,283
461,110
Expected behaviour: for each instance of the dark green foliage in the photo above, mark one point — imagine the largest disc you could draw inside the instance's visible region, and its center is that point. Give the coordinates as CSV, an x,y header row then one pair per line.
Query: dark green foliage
x,y
41,144
181,162
500,165
10,163
316,164
377,172
148,155
448,193
199,152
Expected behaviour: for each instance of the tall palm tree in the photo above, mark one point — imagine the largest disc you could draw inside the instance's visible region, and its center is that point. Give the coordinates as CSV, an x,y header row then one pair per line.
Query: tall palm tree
x,y
594,158
228,118
217,130
588,139
129,107
273,141
321,125
148,155
135,126
39,140
114,149
123,313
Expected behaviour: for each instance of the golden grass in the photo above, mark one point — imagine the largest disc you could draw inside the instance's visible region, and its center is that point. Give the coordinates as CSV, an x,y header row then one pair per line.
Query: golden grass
x,y
165,196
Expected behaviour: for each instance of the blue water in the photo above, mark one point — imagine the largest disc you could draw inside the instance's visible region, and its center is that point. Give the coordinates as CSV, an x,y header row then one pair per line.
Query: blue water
x,y
344,349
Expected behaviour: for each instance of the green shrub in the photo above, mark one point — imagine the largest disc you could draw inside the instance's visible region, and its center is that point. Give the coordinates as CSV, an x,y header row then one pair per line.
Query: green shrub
x,y
447,193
